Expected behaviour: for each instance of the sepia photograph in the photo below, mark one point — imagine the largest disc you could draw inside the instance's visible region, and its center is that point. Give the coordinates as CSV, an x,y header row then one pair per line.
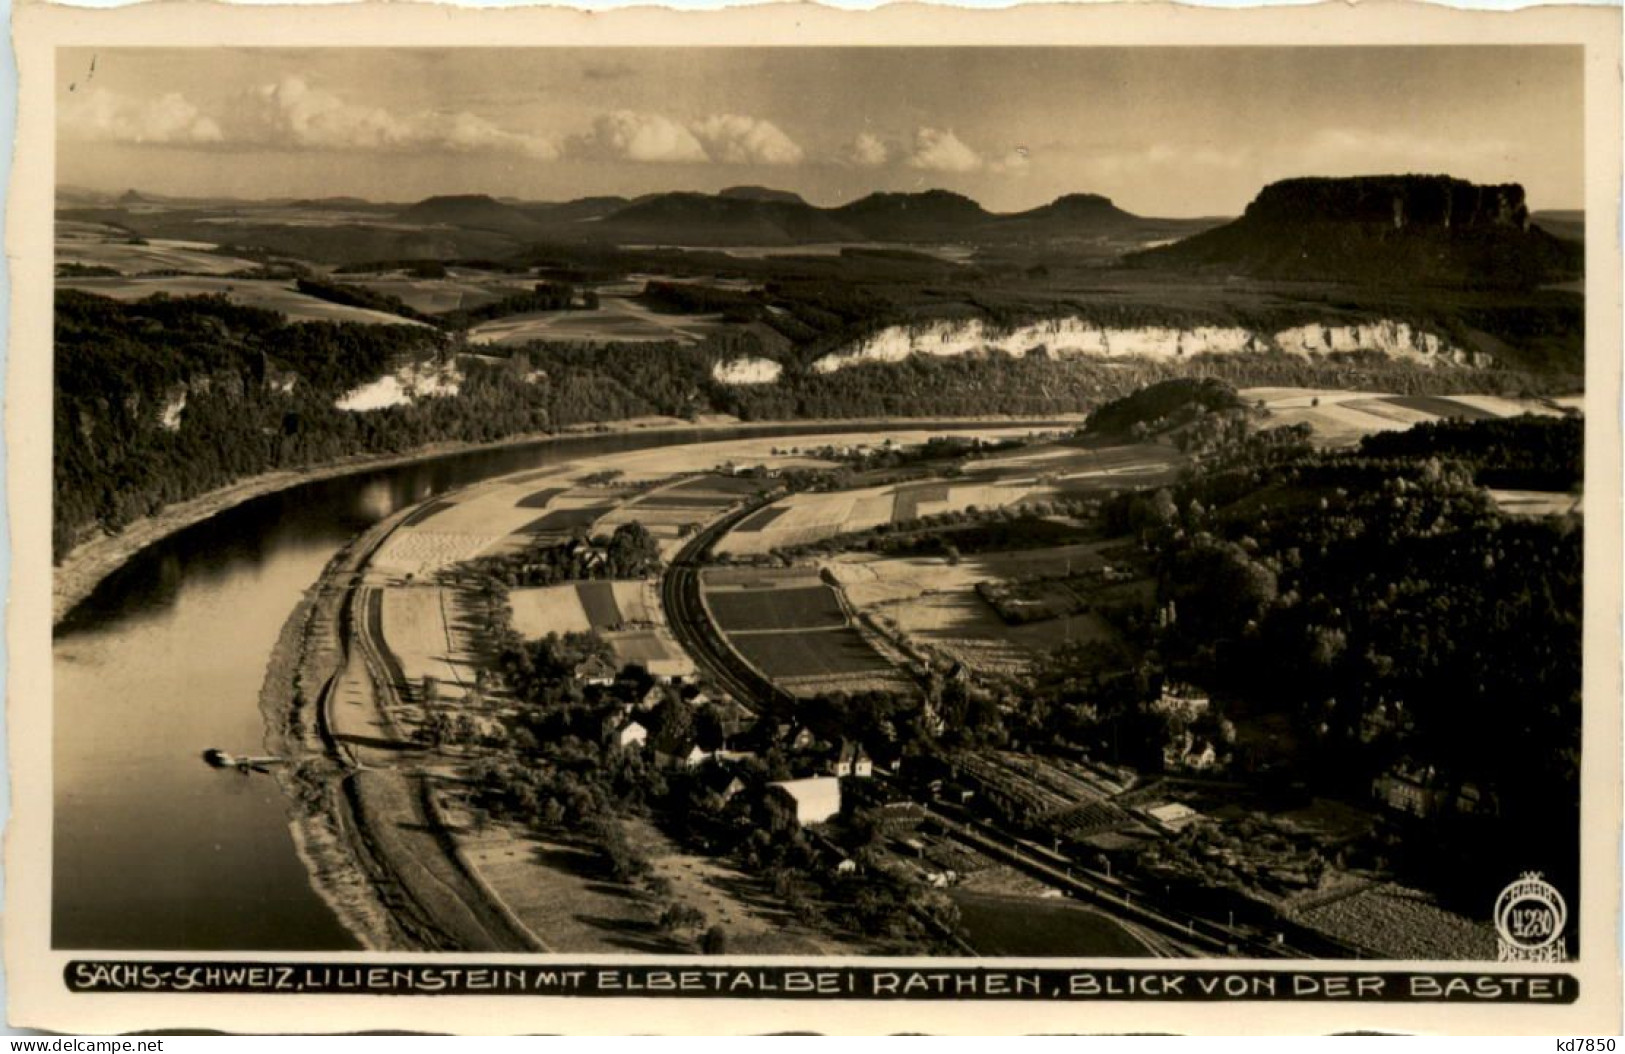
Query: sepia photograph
x,y
822,508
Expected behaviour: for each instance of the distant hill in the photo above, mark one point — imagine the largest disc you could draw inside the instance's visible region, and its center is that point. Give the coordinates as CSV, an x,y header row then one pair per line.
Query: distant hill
x,y
1382,230
473,211
1093,209
761,194
931,214
705,219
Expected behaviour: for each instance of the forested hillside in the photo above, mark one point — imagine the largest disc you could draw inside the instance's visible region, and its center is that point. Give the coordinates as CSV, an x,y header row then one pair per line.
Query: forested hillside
x,y
1378,607
162,400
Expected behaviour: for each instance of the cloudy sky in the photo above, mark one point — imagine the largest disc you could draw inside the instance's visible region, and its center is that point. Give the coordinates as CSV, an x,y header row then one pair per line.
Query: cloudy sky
x,y
1169,132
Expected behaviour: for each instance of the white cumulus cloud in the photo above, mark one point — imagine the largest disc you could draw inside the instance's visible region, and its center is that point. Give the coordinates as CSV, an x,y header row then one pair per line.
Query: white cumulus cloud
x,y
105,115
940,150
291,112
294,114
867,151
732,139
726,138
626,135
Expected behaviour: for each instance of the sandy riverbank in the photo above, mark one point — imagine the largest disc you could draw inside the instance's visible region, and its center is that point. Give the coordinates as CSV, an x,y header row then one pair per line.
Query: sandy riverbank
x,y
84,568
297,681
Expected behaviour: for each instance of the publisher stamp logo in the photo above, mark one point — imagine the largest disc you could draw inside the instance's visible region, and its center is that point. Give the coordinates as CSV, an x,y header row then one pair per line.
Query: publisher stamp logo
x,y
1530,915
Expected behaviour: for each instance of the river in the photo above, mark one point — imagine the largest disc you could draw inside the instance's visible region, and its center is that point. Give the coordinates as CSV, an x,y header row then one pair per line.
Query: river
x,y
154,850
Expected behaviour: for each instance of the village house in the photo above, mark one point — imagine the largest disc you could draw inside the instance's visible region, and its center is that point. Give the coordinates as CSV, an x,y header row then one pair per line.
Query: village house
x,y
1181,699
631,734
656,694
851,760
1172,817
721,781
677,757
667,671
1190,754
817,798
1410,789
596,670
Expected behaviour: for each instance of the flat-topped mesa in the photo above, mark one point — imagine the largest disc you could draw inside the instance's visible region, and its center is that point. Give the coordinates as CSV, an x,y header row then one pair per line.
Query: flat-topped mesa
x,y
1400,202
1381,230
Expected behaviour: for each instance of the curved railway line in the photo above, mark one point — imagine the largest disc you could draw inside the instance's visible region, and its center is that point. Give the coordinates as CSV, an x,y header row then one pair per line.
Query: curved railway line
x,y
696,634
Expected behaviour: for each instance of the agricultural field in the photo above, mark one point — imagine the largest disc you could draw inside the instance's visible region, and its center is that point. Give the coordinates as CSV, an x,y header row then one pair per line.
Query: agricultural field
x,y
455,292
832,652
548,609
772,452
565,521
813,517
416,553
1341,418
576,607
933,603
271,294
653,649
867,579
618,319
625,615
1033,474
761,519
758,610
790,625
1070,468
964,627
90,245
415,625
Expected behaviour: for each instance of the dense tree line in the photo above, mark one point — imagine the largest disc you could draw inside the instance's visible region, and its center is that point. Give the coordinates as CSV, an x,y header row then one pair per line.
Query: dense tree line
x,y
1528,452
1162,406
360,296
630,552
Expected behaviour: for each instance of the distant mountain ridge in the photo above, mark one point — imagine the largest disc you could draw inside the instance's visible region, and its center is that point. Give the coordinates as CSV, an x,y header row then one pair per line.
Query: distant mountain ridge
x,y
1381,229
763,216
734,216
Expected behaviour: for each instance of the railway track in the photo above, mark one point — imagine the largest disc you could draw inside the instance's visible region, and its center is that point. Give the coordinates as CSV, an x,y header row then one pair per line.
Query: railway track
x,y
697,635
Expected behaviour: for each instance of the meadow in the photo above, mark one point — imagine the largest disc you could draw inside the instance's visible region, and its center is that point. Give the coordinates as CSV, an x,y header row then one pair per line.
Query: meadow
x,y
833,652
270,294
617,320
809,607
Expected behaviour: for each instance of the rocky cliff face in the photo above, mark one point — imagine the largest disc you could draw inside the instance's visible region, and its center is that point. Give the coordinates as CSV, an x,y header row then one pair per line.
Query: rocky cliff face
x,y
746,370
1381,230
1070,337
408,384
1398,202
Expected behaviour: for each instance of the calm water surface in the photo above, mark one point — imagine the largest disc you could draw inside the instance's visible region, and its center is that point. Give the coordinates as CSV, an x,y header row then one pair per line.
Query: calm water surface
x,y
153,849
